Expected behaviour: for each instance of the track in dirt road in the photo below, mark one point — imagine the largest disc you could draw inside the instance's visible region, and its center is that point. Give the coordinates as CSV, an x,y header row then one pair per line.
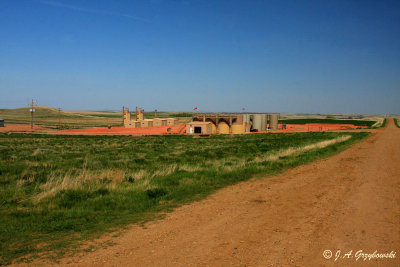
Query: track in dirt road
x,y
348,202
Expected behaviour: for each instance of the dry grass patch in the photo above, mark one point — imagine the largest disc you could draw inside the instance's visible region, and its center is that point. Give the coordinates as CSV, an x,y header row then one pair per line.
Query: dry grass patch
x,y
297,150
88,180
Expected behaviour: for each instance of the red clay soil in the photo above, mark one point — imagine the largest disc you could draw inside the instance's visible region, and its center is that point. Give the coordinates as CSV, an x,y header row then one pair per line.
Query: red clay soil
x,y
176,129
19,128
349,202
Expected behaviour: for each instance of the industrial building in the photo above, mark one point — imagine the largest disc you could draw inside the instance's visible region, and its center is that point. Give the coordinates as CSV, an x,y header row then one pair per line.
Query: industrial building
x,y
208,123
140,122
1,123
199,127
232,123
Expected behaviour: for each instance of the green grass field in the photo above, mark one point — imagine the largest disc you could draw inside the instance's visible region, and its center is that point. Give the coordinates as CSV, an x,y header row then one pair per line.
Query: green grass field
x,y
59,190
333,121
397,122
52,118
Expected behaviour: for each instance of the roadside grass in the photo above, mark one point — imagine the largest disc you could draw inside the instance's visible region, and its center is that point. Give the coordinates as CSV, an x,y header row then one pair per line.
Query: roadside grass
x,y
332,121
57,191
397,122
383,123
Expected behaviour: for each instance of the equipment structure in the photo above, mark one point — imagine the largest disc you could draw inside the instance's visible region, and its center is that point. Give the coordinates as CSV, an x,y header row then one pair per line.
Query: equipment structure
x,y
232,123
141,122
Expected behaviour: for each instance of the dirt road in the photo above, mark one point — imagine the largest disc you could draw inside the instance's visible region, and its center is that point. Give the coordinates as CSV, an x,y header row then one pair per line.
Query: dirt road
x,y
348,202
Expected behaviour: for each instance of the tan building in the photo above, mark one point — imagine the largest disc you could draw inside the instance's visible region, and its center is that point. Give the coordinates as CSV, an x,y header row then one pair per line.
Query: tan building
x,y
157,122
199,127
140,122
223,123
145,123
172,121
237,123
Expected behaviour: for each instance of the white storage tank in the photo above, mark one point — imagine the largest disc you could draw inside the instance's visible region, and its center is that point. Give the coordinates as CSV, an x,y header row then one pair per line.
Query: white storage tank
x,y
274,118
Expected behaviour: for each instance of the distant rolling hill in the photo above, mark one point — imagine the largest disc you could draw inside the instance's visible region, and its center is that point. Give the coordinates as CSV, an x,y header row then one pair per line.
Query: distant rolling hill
x,y
53,118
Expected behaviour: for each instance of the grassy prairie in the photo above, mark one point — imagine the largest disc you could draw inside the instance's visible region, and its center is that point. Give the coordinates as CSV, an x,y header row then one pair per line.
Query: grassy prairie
x,y
52,118
333,121
58,190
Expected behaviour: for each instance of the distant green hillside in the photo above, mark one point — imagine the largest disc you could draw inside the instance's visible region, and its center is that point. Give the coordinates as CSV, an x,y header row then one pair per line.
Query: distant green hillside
x,y
52,118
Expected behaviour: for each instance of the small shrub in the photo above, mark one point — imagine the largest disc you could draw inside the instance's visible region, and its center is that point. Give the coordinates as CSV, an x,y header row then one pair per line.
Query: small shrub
x,y
156,192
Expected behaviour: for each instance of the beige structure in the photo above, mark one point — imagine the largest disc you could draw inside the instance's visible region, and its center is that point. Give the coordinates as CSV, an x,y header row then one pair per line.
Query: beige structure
x,y
139,114
172,121
238,128
223,128
223,123
199,127
126,117
157,122
228,123
274,118
140,122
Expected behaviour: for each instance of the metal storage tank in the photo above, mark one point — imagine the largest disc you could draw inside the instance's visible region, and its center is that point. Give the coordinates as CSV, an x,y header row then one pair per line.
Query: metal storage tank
x,y
223,128
246,122
257,121
247,127
246,118
238,128
264,120
274,121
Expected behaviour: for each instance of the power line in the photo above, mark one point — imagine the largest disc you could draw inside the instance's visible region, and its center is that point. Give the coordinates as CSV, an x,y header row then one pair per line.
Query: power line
x,y
59,118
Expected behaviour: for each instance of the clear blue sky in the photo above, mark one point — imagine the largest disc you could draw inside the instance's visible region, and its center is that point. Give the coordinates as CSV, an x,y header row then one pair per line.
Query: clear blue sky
x,y
274,56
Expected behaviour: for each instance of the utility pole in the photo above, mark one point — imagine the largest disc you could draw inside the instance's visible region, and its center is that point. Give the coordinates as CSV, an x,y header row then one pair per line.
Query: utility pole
x,y
59,118
32,111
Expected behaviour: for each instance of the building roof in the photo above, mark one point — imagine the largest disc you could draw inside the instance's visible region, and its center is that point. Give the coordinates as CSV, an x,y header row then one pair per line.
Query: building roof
x,y
200,122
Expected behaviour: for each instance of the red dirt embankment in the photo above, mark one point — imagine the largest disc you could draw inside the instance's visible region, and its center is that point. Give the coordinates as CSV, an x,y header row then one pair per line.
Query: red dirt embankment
x,y
347,203
175,129
20,128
